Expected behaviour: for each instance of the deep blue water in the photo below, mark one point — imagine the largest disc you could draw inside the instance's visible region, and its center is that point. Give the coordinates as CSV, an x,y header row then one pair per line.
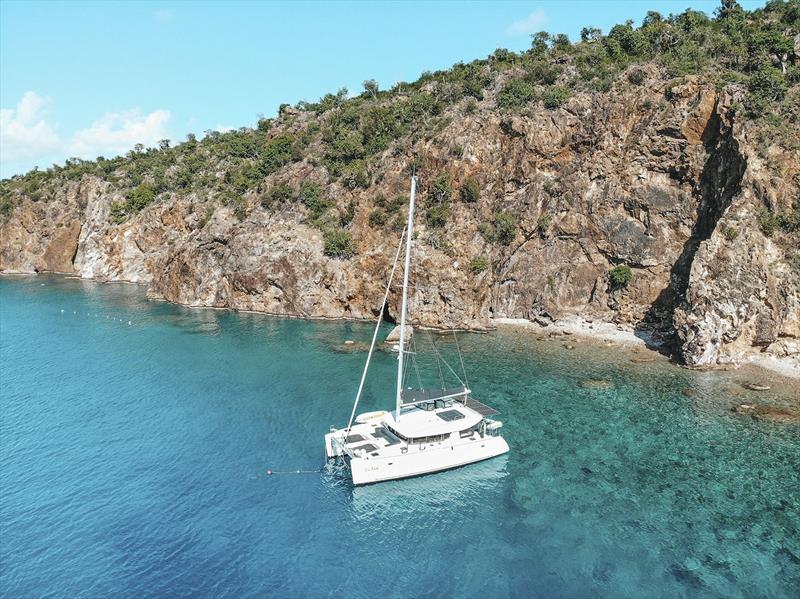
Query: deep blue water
x,y
135,439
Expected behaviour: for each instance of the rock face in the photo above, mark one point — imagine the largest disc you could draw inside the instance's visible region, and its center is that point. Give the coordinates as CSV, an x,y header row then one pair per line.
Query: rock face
x,y
662,177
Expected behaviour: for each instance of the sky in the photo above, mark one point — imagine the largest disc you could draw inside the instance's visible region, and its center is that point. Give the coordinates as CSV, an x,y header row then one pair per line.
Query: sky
x,y
95,78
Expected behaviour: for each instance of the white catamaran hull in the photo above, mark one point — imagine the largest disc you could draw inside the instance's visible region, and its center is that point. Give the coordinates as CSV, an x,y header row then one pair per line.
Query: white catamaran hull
x,y
430,430
428,461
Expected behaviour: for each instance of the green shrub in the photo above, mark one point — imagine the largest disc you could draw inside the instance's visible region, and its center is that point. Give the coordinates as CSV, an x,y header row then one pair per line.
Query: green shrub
x,y
140,197
515,94
766,87
6,204
118,212
240,209
555,96
636,76
377,218
768,222
354,175
790,221
441,189
505,228
730,233
620,275
436,216
543,223
338,243
206,217
347,215
478,265
502,229
310,195
280,193
470,190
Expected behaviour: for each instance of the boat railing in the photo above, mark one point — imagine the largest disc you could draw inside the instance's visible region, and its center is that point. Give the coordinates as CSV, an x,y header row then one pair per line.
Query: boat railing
x,y
339,444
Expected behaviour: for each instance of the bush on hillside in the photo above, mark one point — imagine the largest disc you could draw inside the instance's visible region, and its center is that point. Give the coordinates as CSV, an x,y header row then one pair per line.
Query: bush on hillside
x,y
620,276
338,243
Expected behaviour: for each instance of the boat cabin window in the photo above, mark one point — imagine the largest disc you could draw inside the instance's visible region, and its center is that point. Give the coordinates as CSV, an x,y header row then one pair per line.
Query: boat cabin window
x,y
428,439
469,431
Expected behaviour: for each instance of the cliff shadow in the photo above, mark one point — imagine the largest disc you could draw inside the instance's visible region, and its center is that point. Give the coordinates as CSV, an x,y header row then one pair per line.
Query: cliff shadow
x,y
720,181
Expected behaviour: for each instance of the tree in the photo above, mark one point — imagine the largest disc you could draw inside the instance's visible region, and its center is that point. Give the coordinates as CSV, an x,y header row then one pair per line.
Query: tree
x,y
591,34
729,9
561,43
539,43
163,144
652,18
766,86
371,87
441,189
264,124
138,148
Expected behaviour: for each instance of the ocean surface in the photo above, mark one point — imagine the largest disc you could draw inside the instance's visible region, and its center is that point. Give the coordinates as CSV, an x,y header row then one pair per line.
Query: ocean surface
x,y
135,440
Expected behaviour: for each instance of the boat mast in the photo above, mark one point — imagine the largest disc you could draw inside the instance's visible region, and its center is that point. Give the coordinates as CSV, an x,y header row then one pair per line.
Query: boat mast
x,y
404,309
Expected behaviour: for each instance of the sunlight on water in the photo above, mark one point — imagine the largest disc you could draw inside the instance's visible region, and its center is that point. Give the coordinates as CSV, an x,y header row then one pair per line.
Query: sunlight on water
x,y
135,439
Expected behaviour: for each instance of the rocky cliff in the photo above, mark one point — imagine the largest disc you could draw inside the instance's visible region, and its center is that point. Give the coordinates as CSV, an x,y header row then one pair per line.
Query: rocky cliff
x,y
664,175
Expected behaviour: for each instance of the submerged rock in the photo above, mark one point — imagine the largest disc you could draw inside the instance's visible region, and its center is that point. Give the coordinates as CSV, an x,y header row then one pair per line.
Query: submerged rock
x,y
595,384
767,413
394,335
643,359
755,386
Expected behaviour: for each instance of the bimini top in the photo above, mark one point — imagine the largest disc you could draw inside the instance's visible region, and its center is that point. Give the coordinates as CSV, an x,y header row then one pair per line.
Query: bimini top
x,y
460,394
412,396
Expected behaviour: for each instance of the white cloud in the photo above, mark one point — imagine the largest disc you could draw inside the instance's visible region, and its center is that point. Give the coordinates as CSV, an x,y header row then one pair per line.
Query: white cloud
x,y
118,132
24,133
223,128
28,137
529,25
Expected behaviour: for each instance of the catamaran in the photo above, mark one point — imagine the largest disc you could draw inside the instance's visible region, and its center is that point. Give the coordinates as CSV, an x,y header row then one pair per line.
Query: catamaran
x,y
429,430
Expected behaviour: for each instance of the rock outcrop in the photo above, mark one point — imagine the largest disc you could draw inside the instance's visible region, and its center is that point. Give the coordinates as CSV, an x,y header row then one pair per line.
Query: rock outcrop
x,y
663,177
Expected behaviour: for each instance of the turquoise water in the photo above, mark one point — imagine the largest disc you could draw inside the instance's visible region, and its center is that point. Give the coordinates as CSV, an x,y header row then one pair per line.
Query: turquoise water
x,y
135,439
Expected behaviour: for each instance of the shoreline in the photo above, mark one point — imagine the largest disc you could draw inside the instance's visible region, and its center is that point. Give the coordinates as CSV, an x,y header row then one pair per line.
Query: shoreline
x,y
602,332
609,334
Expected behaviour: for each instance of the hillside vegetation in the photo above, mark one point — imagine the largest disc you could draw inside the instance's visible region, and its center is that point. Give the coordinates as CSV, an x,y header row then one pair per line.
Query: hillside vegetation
x,y
752,49
648,176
